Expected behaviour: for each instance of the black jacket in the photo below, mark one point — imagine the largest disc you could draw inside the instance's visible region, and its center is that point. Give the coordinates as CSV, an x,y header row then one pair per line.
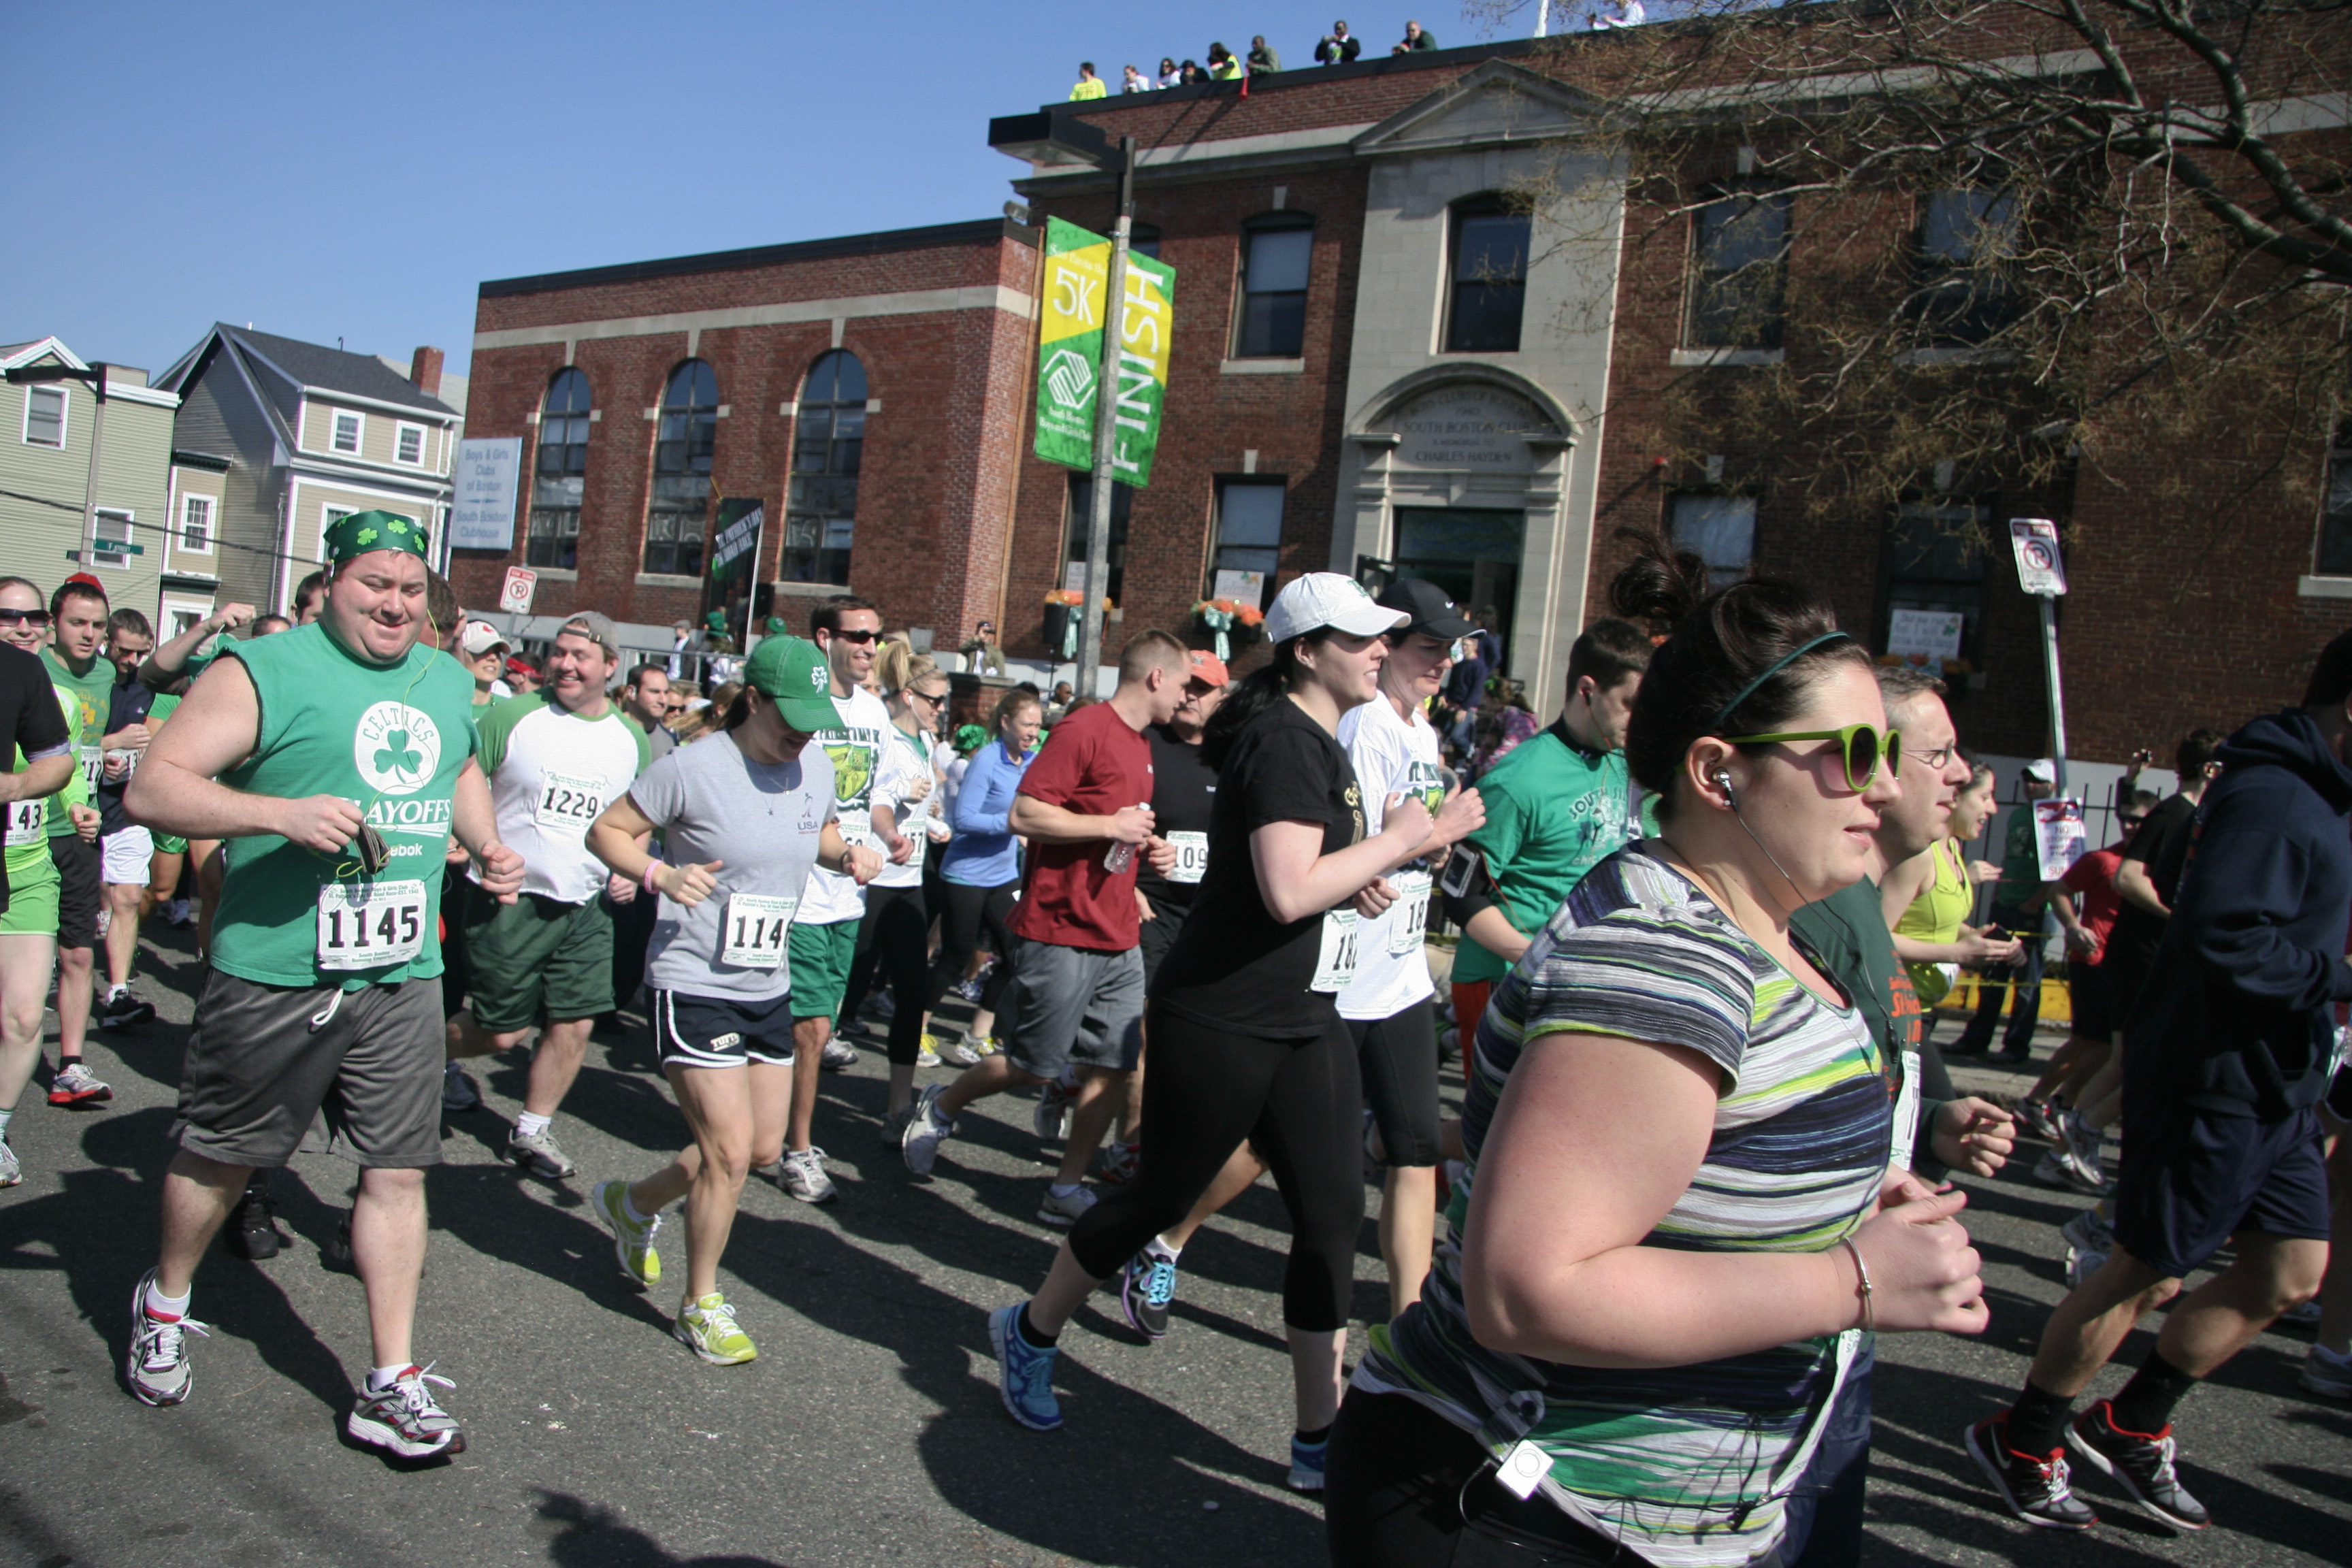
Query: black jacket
x,y
2238,1015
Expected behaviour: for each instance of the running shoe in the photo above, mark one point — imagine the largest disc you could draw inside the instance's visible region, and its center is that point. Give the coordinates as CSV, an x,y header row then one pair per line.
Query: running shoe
x,y
1145,1293
983,1045
2143,1465
855,1029
458,1092
252,1230
2036,1489
1052,1117
2037,1118
157,1366
837,1058
2056,1168
1025,1379
179,912
406,1419
1061,1209
883,1006
2085,1143
75,1084
11,1172
2088,1231
927,1128
2327,1375
708,1330
633,1239
1306,1461
123,1009
800,1173
2080,1264
1116,1162
539,1155
964,1053
894,1125
927,1054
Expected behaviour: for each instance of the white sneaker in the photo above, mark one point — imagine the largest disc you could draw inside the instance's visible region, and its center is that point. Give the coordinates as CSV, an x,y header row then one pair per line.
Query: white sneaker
x,y
1061,1209
2086,1232
800,1173
926,1131
837,1056
2057,1168
1052,1117
157,1366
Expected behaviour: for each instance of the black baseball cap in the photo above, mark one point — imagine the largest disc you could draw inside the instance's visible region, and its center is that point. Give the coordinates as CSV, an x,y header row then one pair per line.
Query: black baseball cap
x,y
1430,610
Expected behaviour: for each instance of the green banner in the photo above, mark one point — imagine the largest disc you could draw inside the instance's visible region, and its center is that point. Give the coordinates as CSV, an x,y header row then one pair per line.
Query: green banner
x,y
1070,346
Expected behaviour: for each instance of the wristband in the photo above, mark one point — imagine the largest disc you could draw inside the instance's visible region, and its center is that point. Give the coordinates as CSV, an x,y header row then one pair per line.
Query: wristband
x,y
1869,1310
651,866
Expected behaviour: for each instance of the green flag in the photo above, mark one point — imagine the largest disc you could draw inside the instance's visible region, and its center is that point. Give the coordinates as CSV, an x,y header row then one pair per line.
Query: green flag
x,y
1069,353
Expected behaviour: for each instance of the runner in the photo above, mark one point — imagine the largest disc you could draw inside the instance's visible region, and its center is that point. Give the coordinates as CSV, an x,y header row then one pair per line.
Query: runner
x,y
127,850
555,759
980,873
77,615
1929,897
1076,1000
1246,1040
39,746
743,819
337,757
1668,1062
2020,884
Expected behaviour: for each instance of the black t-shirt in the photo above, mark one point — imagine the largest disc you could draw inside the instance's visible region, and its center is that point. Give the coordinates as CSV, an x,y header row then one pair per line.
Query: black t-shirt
x,y
129,705
30,722
1235,964
2162,843
1183,789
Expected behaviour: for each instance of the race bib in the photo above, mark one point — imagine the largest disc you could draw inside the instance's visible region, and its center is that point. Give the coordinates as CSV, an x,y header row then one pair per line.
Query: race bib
x,y
370,925
752,934
25,823
1409,916
1335,963
568,804
860,833
93,766
1191,857
1907,1112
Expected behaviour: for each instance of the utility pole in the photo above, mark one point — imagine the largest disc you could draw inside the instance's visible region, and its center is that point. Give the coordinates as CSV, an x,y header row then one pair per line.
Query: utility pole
x,y
1098,495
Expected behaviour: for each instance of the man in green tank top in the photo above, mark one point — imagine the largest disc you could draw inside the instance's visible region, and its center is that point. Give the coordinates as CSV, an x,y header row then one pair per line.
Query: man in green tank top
x,y
335,760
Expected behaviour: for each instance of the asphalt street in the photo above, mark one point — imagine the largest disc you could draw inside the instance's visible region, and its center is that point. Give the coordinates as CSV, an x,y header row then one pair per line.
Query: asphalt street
x,y
869,1431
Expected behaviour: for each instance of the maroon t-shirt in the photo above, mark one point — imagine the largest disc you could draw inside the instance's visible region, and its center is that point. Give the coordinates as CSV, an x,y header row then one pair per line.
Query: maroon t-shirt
x,y
1095,764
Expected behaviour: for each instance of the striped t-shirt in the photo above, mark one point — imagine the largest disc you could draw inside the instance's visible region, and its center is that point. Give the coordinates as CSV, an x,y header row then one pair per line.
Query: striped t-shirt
x,y
1688,1464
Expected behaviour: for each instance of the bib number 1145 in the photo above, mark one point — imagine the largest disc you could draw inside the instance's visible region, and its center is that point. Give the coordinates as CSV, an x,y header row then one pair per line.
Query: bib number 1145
x,y
370,925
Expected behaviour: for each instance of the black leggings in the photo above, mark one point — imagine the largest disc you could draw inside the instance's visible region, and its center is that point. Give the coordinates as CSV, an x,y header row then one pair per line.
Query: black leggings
x,y
897,931
1398,1054
1402,1479
1298,1101
968,910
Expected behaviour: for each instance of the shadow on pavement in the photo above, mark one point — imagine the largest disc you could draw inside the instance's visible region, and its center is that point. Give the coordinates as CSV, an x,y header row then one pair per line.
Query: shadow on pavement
x,y
588,1536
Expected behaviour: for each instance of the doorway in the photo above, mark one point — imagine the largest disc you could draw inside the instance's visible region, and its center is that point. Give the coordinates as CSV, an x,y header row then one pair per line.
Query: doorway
x,y
1472,553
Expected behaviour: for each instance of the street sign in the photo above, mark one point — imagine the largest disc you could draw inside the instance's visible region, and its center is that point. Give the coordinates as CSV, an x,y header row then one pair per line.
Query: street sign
x,y
482,512
514,595
2040,568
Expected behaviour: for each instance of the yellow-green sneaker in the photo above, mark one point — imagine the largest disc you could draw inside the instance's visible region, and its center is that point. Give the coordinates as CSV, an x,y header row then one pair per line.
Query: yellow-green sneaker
x,y
707,1329
633,1239
929,1056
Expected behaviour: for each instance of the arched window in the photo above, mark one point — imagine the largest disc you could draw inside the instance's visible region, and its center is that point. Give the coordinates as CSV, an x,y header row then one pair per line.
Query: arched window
x,y
1488,278
821,517
681,504
1276,251
558,475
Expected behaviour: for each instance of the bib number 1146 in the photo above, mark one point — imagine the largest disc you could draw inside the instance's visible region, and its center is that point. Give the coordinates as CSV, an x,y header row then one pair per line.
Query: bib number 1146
x,y
370,925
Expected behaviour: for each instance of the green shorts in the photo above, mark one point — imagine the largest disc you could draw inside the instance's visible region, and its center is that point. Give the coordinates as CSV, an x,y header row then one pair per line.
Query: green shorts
x,y
32,901
536,959
169,843
821,956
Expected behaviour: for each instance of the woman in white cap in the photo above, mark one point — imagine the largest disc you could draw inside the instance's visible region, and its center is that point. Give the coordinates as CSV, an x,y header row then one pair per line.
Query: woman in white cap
x,y
1246,1040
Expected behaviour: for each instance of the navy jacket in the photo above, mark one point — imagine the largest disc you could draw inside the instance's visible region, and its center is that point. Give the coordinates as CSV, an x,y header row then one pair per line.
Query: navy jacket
x,y
2238,1015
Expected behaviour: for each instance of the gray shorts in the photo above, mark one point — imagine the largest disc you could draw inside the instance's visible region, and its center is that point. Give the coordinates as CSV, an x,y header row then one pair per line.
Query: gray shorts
x,y
1072,1004
260,1069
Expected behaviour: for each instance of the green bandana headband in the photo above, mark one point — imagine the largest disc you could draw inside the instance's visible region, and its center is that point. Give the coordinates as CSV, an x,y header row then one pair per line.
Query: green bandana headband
x,y
362,531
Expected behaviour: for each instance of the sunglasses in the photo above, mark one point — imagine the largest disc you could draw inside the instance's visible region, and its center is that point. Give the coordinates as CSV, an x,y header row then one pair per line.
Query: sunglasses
x,y
858,636
28,618
935,700
1861,745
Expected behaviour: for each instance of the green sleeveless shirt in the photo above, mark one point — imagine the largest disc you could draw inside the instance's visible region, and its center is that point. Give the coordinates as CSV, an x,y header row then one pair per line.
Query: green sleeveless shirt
x,y
392,738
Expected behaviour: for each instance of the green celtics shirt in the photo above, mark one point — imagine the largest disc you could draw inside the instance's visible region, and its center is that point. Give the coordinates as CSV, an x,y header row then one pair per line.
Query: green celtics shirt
x,y
86,696
392,738
1554,811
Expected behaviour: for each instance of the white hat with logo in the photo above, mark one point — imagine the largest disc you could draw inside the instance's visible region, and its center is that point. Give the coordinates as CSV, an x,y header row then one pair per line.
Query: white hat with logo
x,y
1327,599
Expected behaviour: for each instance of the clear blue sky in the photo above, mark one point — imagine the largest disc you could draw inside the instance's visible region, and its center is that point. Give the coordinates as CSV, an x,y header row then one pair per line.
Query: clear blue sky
x,y
329,169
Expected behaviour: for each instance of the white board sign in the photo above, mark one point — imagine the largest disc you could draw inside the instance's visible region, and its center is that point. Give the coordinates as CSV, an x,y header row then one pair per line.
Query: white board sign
x,y
514,595
2058,836
2040,568
1243,588
490,471
1925,636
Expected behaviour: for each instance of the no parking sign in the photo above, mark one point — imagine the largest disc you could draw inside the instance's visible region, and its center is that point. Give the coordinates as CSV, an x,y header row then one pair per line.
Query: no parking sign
x,y
2040,568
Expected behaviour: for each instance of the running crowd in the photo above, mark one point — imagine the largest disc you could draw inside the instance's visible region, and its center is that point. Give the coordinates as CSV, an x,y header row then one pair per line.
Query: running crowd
x,y
1634,1288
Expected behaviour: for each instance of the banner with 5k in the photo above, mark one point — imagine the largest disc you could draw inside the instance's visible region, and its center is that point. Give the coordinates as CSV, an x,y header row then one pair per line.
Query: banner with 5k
x,y
1069,353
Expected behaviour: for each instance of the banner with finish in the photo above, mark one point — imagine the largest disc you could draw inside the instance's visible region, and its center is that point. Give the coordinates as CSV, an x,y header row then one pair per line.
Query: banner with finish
x,y
1069,353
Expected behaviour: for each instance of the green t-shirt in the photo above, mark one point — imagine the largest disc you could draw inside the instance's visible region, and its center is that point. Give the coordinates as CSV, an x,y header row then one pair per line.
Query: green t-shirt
x,y
392,737
27,837
86,696
2021,865
1554,811
1847,933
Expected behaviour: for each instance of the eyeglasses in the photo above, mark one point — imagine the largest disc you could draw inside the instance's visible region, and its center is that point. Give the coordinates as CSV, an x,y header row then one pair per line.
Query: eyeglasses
x,y
857,637
1861,744
1940,758
936,699
29,617
2130,821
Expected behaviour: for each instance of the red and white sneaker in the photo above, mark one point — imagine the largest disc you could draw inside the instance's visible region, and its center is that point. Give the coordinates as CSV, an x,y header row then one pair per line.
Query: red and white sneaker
x,y
404,1419
75,1084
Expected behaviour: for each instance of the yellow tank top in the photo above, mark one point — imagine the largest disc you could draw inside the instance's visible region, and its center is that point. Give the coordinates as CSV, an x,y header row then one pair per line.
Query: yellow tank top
x,y
1937,915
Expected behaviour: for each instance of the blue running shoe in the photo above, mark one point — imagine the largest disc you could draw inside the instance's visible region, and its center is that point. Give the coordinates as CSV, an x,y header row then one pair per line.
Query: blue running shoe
x,y
1026,1382
1307,1464
1145,1292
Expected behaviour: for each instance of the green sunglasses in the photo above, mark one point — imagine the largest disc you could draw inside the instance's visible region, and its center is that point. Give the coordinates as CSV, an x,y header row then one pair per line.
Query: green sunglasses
x,y
1862,745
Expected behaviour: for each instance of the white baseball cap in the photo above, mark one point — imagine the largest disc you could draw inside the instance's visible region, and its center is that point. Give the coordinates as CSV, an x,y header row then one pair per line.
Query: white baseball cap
x,y
1327,599
478,638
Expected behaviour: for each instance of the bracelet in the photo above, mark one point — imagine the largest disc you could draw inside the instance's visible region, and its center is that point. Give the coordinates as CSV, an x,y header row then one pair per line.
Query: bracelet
x,y
1869,1309
651,866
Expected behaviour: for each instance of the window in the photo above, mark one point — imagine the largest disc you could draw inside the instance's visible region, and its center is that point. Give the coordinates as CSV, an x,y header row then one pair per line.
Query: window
x,y
1075,533
1276,252
1938,552
1962,297
113,533
558,473
408,444
683,443
347,429
1739,267
2336,509
828,445
45,416
1487,286
196,524
1143,239
1249,536
1721,530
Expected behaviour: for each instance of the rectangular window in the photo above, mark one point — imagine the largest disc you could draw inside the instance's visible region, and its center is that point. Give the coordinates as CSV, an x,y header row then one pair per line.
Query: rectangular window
x,y
1938,554
1489,283
1074,536
1472,553
113,533
45,416
196,524
1721,530
2336,509
347,431
408,444
1962,296
1249,539
1274,292
1739,266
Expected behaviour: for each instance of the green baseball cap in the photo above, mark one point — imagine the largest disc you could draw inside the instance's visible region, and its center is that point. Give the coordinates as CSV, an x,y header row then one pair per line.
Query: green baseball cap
x,y
793,672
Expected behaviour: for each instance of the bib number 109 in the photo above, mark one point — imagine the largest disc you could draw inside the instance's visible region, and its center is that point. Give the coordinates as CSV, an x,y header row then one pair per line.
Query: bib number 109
x,y
370,925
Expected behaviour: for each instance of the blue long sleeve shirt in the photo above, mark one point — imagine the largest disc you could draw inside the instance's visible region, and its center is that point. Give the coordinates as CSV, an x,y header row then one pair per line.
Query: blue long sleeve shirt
x,y
984,853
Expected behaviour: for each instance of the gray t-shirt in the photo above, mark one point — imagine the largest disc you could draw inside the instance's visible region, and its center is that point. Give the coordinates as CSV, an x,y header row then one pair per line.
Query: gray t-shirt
x,y
712,803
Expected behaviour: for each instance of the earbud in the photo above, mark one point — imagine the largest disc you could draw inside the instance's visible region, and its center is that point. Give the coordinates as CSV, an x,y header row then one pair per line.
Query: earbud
x,y
1722,782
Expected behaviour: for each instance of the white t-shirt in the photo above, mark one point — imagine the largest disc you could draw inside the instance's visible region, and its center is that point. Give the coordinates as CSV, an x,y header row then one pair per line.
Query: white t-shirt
x,y
916,821
551,774
1392,756
865,761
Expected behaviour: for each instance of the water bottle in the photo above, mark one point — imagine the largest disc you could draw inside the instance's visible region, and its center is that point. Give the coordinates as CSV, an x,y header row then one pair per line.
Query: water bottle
x,y
1121,854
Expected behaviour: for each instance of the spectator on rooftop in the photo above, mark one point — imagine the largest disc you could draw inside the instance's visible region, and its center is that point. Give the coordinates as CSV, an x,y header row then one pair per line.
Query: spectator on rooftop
x,y
1338,46
1416,38
1223,67
1192,75
1630,14
1168,74
1089,84
1262,57
1134,81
